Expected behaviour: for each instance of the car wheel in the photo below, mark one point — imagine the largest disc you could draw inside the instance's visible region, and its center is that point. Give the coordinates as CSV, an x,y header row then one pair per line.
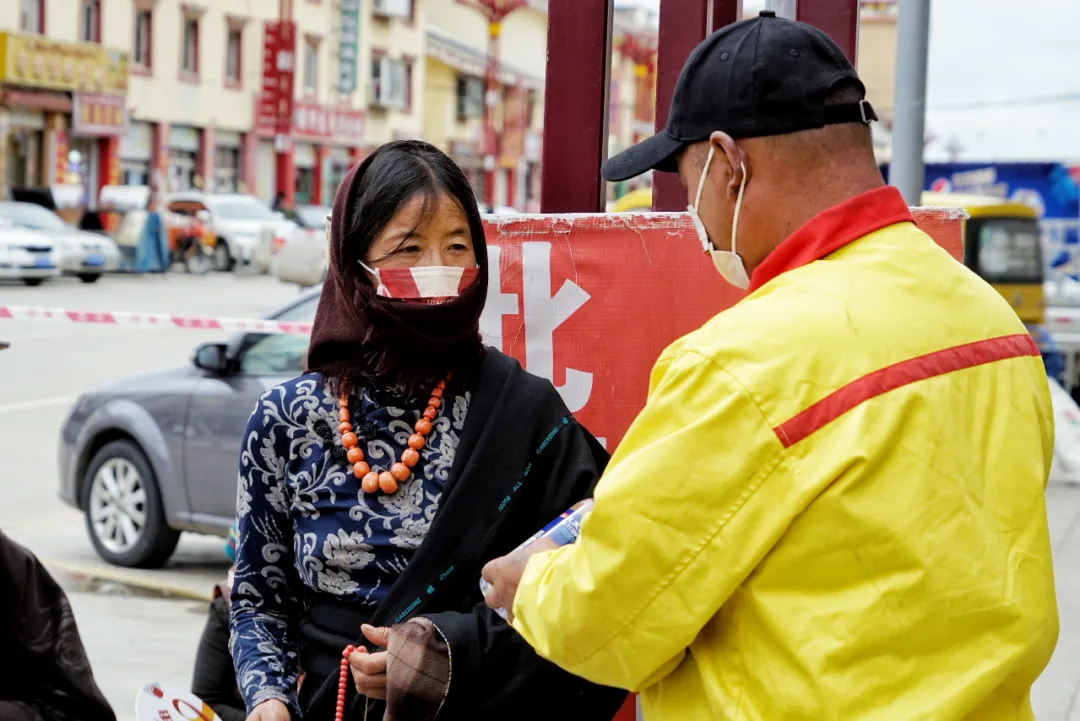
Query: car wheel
x,y
89,277
124,514
33,282
223,260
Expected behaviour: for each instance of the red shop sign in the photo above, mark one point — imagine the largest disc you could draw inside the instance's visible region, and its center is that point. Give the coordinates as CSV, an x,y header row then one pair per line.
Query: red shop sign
x,y
324,121
559,287
275,101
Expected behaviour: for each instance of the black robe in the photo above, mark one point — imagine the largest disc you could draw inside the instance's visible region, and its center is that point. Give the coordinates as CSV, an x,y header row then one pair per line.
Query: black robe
x,y
522,460
46,675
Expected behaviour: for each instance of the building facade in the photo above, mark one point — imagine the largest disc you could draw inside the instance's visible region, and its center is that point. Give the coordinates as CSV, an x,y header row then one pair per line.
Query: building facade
x,y
456,48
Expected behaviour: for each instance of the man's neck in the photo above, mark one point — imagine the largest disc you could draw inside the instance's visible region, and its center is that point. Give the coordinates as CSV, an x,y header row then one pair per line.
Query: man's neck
x,y
795,207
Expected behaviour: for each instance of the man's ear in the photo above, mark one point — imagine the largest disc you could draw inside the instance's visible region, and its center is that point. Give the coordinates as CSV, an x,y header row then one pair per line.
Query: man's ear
x,y
727,150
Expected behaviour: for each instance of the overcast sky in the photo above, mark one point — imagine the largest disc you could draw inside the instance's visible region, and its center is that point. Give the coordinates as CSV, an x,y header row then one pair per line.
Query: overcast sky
x,y
1004,78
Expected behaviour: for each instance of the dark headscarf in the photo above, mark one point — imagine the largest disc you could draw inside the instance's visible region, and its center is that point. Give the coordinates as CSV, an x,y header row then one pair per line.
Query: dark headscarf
x,y
382,343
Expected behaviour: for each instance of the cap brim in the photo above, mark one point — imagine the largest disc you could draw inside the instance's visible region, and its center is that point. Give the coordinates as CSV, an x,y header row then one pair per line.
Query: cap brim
x,y
655,153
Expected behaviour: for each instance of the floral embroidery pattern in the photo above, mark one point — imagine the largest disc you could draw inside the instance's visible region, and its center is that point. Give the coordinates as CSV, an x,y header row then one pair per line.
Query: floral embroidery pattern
x,y
305,526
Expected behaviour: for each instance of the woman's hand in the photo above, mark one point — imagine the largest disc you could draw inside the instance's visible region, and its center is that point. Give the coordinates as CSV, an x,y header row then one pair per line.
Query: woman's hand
x,y
272,710
369,669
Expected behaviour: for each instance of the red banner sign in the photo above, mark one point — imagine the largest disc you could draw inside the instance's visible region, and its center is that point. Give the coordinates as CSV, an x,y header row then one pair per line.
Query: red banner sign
x,y
275,101
324,121
96,114
590,301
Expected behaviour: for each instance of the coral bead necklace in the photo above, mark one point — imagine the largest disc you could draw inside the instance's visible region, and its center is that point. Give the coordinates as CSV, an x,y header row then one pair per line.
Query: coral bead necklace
x,y
372,481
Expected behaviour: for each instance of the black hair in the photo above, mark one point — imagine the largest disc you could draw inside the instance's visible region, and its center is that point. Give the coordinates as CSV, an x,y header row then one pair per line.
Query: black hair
x,y
392,176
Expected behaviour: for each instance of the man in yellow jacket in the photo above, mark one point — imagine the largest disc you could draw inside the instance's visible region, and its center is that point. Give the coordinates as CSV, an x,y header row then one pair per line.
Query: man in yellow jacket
x,y
831,506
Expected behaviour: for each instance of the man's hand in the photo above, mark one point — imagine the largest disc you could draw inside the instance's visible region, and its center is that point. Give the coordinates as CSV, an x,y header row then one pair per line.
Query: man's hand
x,y
369,669
272,710
504,574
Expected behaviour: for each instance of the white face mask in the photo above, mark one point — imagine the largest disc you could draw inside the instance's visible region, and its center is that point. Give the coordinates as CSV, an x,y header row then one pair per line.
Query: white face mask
x,y
727,262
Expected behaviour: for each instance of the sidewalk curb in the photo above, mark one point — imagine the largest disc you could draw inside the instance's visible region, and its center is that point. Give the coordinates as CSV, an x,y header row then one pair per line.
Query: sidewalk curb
x,y
100,574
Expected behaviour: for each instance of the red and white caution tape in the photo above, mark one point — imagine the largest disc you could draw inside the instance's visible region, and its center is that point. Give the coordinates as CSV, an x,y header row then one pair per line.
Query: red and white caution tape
x,y
151,320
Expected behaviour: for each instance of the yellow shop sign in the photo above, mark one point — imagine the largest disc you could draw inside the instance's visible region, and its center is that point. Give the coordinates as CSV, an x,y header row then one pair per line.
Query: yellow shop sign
x,y
38,62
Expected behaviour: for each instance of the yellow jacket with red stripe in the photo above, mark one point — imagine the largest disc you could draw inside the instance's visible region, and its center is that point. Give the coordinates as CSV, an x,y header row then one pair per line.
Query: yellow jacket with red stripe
x,y
831,506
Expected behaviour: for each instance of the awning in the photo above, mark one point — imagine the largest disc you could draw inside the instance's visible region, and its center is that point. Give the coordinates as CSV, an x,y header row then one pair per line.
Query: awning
x,y
468,60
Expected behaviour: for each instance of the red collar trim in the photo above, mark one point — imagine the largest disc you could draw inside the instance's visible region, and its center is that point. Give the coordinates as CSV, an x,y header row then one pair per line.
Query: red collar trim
x,y
832,229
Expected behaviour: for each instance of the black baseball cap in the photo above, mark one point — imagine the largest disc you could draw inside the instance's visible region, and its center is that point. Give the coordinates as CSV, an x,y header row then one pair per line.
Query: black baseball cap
x,y
758,77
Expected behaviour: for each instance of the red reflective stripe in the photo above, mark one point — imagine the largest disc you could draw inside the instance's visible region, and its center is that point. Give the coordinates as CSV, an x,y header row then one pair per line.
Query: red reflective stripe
x,y
901,374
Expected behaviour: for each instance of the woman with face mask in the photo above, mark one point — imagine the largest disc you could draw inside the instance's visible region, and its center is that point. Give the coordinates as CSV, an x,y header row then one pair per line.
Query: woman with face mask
x,y
373,489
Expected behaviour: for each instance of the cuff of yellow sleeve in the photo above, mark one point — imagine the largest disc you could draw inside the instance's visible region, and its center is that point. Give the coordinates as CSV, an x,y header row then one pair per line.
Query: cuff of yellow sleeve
x,y
527,599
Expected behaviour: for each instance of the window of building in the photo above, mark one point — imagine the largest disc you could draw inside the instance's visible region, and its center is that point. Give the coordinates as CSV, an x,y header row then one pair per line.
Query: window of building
x,y
234,52
470,98
311,67
140,52
189,64
90,21
32,16
390,80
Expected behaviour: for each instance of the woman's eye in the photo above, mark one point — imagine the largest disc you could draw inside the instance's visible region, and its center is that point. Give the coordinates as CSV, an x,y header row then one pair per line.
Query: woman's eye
x,y
411,249
459,247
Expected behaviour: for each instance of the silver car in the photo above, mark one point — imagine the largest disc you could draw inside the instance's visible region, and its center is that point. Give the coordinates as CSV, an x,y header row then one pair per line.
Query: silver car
x,y
148,457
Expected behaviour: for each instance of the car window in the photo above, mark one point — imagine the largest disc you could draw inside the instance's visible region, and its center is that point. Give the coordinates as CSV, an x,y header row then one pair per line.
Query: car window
x,y
1009,250
278,354
312,216
28,215
302,312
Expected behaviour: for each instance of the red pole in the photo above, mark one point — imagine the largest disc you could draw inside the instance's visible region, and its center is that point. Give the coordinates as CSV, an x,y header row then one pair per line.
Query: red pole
x,y
683,25
285,166
838,18
491,97
575,112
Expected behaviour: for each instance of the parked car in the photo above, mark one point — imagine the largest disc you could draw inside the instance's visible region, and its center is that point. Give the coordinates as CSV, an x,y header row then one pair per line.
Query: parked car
x,y
238,222
26,255
81,253
149,457
302,257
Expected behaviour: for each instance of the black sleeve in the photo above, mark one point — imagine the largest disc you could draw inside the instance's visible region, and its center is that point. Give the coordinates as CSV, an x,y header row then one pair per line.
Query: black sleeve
x,y
215,680
494,673
46,671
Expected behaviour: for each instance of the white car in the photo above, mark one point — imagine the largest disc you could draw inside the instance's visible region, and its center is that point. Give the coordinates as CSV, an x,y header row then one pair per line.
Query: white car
x,y
239,222
26,255
302,256
81,253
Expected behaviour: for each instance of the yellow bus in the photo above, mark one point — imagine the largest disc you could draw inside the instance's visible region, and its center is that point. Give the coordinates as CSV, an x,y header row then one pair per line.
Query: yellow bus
x,y
1001,244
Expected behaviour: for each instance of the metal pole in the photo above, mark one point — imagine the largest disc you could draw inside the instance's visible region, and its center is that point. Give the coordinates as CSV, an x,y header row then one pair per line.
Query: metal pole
x,y
782,8
906,170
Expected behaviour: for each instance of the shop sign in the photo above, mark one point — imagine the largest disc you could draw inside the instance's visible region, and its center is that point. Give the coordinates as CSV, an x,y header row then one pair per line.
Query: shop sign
x,y
348,45
323,121
97,114
35,61
275,101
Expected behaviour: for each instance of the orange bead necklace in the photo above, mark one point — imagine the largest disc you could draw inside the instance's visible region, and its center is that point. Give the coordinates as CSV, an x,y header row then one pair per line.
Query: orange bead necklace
x,y
372,481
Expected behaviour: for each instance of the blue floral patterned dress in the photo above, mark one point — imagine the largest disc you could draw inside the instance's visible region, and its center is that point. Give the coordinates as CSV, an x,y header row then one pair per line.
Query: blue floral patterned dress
x,y
306,527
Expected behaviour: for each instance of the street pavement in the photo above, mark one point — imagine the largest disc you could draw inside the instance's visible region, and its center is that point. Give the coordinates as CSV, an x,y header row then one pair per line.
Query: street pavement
x,y
143,626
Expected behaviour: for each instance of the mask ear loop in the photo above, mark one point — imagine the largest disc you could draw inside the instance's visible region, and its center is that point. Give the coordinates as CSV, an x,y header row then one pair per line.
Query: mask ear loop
x,y
738,207
381,290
